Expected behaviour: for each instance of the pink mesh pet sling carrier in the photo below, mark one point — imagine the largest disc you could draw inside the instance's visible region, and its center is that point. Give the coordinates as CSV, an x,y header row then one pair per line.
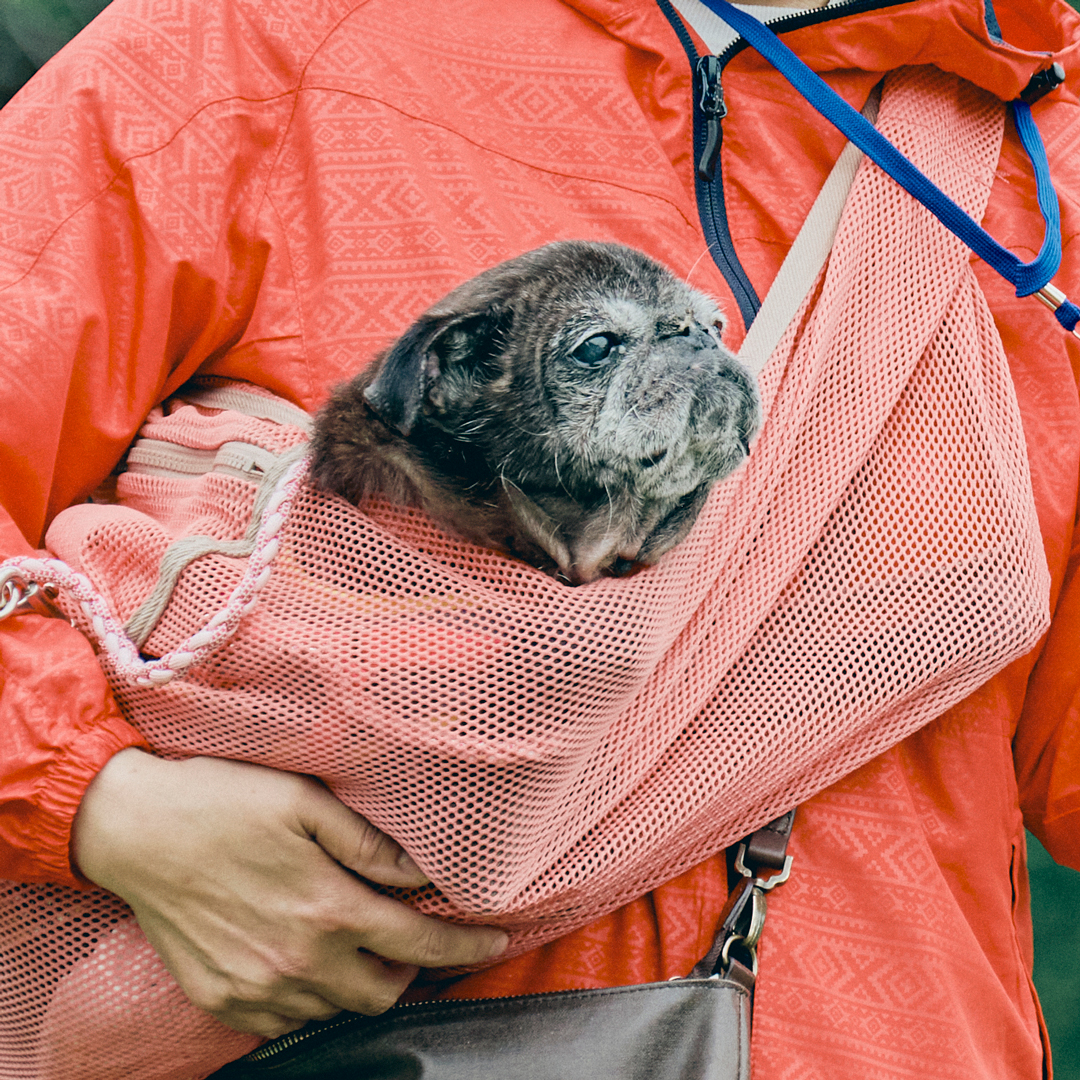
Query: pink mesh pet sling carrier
x,y
548,753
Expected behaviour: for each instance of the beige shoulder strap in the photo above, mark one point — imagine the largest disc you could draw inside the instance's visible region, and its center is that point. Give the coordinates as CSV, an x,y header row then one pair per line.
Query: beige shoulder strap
x,y
806,257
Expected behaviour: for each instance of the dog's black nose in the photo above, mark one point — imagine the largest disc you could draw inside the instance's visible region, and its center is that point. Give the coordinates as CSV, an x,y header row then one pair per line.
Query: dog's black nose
x,y
691,338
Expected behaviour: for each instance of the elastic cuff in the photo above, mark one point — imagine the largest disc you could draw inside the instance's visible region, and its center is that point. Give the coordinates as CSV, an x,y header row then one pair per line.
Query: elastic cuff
x,y
65,783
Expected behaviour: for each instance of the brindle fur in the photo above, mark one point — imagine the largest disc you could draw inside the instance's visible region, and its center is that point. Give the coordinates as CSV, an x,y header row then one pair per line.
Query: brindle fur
x,y
481,415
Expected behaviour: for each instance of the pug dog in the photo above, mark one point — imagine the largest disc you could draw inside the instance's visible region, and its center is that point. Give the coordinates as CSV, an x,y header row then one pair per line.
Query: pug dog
x,y
571,407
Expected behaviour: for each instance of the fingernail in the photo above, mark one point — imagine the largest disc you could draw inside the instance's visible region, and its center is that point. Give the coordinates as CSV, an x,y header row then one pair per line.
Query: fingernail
x,y
406,865
499,944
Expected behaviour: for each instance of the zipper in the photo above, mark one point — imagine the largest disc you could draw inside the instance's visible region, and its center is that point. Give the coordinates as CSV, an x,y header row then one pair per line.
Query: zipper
x,y
310,1031
235,398
313,1030
710,109
286,1042
157,457
237,458
713,108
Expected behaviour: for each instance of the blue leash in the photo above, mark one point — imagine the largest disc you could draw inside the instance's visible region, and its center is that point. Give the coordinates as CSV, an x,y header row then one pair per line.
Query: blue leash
x,y
1027,278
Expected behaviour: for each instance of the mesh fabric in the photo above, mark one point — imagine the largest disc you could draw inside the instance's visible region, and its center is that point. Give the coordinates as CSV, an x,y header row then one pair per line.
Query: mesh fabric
x,y
876,559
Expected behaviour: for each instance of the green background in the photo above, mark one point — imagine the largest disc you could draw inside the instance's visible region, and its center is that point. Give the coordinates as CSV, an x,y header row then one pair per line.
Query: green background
x,y
1055,909
32,30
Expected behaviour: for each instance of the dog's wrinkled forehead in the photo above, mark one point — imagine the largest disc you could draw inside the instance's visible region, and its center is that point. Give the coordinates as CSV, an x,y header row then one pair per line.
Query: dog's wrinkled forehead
x,y
591,289
638,315
631,315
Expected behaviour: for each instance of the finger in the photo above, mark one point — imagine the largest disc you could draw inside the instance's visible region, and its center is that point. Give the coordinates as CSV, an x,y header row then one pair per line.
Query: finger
x,y
394,931
241,1006
302,1005
268,1025
252,984
270,1022
367,984
354,842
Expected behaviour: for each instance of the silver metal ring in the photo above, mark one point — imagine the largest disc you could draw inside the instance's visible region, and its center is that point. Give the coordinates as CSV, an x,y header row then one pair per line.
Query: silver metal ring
x,y
725,953
758,910
12,589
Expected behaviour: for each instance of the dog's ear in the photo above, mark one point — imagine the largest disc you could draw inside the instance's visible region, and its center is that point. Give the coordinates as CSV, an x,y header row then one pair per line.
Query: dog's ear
x,y
412,369
397,392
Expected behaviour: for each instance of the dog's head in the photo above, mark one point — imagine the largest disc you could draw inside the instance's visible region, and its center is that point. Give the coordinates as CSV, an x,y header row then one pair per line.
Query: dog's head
x,y
585,390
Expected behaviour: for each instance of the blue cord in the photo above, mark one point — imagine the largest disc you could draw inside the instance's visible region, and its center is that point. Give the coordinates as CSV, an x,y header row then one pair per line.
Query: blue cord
x,y
1027,278
1068,314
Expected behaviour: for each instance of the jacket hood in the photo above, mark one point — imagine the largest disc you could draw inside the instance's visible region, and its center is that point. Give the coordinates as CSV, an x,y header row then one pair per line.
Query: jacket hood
x,y
998,45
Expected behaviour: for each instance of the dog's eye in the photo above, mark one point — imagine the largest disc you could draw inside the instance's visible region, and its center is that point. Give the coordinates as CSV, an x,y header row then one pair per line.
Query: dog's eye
x,y
597,350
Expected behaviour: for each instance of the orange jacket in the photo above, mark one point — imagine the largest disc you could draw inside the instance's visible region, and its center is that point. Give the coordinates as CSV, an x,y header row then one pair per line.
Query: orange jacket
x,y
272,192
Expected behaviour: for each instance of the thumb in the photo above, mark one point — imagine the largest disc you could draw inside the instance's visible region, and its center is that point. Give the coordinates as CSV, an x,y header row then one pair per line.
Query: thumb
x,y
354,842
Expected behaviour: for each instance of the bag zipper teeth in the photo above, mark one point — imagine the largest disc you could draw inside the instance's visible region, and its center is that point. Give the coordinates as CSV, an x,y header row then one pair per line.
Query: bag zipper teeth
x,y
293,1038
159,457
286,1042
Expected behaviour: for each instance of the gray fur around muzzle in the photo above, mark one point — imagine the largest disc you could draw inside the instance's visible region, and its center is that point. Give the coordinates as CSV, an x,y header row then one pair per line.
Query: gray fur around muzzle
x,y
572,407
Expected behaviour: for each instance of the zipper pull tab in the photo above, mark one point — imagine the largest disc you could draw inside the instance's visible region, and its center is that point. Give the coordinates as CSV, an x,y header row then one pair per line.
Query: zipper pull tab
x,y
711,103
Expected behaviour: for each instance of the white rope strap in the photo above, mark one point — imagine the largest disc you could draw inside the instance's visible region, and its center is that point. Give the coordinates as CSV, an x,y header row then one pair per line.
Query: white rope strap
x,y
120,652
181,553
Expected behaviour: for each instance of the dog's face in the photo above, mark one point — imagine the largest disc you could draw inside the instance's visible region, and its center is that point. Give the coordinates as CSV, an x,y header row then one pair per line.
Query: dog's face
x,y
573,406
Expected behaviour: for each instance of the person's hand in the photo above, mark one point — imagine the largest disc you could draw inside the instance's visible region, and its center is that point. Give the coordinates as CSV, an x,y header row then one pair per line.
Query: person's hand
x,y
246,881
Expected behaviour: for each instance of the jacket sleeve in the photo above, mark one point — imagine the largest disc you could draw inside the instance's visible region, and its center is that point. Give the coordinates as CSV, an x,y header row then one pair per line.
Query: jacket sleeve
x,y
1046,744
127,258
59,727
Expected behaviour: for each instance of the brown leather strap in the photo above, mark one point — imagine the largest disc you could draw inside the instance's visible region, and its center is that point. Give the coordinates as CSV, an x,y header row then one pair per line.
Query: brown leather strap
x,y
734,950
766,849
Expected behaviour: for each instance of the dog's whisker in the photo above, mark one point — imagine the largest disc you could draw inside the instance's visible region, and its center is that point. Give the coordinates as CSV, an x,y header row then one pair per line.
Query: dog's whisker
x,y
517,426
558,476
474,427
506,481
630,414
697,262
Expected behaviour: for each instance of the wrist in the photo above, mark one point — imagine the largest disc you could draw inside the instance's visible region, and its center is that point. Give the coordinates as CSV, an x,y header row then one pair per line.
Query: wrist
x,y
107,821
